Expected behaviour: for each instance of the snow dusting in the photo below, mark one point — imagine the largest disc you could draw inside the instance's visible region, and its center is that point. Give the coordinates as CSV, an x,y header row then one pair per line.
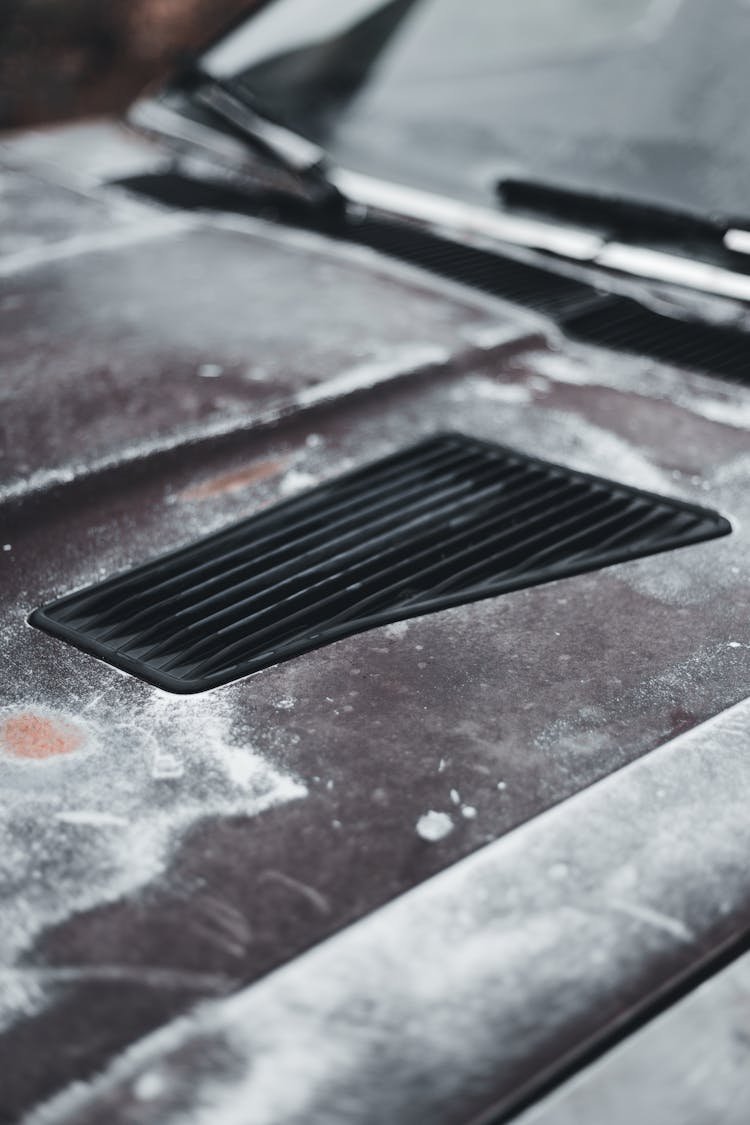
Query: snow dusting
x,y
96,802
391,365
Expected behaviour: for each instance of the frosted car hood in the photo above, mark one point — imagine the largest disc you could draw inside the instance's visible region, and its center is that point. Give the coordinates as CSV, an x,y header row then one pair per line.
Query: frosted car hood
x,y
163,377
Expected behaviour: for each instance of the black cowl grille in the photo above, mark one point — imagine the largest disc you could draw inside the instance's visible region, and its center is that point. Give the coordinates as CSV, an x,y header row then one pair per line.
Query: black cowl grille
x,y
584,312
520,282
625,325
450,520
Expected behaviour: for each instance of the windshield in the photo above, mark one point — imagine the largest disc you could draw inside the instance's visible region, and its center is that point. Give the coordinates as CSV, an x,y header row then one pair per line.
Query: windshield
x,y
637,98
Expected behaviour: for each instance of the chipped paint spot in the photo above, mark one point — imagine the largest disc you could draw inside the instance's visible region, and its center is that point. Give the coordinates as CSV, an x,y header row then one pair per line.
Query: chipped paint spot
x,y
235,480
35,736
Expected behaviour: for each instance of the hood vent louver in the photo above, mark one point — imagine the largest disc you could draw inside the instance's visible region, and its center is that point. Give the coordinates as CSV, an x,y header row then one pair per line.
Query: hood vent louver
x,y
450,520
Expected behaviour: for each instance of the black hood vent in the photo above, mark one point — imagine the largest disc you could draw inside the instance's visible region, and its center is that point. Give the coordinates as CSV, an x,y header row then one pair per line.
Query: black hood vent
x,y
450,520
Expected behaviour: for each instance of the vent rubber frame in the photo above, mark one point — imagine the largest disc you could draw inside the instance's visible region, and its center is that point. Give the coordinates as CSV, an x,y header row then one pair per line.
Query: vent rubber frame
x,y
451,520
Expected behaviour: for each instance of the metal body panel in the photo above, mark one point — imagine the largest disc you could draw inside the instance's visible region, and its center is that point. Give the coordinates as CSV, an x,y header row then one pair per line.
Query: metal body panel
x,y
687,1068
445,1004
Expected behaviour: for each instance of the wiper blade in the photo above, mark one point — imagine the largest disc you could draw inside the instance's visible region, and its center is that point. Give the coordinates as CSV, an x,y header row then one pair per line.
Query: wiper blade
x,y
306,161
612,215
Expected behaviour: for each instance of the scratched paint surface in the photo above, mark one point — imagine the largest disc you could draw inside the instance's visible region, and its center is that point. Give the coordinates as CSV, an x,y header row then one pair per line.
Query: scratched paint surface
x,y
177,848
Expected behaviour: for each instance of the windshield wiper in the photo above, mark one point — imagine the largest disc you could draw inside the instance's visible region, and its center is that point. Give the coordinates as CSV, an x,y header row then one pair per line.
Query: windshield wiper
x,y
306,161
614,216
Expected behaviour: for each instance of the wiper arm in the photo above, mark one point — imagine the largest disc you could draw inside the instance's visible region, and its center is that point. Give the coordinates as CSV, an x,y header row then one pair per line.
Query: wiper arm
x,y
642,239
301,158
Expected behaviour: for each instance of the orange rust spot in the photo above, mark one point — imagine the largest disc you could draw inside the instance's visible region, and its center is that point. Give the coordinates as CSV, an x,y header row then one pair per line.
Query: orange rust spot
x,y
30,735
230,482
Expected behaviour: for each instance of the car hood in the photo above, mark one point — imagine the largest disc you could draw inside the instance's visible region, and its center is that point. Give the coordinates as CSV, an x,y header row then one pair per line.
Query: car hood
x,y
164,375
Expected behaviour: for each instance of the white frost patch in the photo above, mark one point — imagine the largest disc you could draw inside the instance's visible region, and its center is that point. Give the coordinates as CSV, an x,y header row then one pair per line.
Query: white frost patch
x,y
434,826
210,370
720,403
94,825
397,630
92,818
484,387
491,336
296,480
591,448
563,368
101,241
728,413
397,362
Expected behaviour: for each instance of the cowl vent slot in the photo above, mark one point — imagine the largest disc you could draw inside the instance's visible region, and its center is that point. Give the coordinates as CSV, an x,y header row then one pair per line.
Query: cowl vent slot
x,y
536,288
625,325
448,521
584,312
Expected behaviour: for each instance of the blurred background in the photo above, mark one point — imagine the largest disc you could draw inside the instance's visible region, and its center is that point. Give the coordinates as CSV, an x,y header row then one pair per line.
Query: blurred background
x,y
61,59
